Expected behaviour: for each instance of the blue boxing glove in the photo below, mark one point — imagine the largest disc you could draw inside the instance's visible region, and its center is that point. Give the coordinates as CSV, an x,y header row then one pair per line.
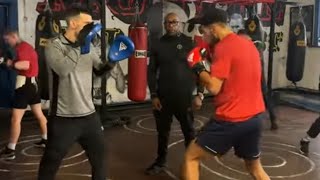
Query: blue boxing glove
x,y
86,36
121,48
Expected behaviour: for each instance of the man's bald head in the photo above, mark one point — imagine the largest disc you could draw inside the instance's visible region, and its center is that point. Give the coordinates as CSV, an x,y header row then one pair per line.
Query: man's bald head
x,y
171,23
171,15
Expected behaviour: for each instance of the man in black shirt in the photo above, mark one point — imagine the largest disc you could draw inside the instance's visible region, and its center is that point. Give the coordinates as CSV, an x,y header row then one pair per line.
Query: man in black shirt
x,y
170,88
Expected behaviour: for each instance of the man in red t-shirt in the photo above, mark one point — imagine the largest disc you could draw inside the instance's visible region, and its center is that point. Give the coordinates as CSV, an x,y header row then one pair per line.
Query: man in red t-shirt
x,y
267,100
235,80
26,91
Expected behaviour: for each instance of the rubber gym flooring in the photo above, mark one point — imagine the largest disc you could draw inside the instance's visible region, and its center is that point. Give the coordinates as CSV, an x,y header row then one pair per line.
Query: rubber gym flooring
x,y
131,148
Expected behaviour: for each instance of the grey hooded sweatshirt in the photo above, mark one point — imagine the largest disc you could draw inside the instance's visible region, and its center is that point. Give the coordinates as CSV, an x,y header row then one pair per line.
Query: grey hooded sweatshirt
x,y
70,78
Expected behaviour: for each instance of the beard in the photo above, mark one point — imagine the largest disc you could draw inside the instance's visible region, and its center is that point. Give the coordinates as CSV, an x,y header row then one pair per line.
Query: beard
x,y
214,41
211,40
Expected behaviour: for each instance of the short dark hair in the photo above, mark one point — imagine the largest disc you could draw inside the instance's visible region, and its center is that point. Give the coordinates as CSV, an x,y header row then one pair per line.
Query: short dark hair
x,y
10,31
74,12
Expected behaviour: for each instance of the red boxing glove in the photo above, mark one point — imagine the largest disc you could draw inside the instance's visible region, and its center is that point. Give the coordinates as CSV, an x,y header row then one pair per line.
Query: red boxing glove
x,y
196,60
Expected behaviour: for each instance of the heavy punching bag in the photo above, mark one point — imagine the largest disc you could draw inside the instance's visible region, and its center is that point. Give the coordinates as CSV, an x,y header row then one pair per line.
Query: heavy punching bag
x,y
46,27
137,64
253,26
296,51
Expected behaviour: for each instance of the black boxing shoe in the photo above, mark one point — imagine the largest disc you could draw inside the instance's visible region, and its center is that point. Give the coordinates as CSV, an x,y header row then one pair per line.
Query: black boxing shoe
x,y
7,154
274,126
41,144
304,147
155,168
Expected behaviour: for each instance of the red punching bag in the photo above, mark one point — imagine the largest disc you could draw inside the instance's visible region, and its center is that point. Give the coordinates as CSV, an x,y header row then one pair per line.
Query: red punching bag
x,y
137,67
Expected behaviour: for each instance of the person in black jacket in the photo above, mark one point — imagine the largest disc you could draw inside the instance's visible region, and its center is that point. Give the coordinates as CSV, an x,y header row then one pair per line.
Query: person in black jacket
x,y
170,88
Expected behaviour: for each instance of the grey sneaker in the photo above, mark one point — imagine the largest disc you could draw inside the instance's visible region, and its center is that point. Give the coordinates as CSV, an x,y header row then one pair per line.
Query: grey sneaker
x,y
7,154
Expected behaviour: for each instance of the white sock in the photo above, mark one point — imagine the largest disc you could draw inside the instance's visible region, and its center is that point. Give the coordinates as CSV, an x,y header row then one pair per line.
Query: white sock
x,y
12,146
44,136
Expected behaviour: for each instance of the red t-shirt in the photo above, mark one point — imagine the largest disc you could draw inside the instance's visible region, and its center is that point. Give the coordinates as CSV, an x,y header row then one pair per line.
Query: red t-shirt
x,y
25,52
237,61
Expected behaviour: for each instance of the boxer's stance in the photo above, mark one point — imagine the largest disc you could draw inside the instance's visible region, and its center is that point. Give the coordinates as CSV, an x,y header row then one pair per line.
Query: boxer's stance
x,y
72,116
26,92
170,92
235,80
266,96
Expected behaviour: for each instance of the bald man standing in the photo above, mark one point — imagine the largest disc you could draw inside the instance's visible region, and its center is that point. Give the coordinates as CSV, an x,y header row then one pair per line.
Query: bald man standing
x,y
171,94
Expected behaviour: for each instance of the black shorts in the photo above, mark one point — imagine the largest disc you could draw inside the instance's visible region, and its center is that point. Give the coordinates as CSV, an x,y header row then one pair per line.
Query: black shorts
x,y
26,95
218,137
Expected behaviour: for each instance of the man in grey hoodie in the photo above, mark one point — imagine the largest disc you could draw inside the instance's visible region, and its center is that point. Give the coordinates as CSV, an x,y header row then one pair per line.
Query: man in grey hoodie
x,y
72,116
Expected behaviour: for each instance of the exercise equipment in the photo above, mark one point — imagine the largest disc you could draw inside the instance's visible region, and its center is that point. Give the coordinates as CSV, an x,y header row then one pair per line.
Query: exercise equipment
x,y
46,27
121,48
253,25
92,29
197,60
296,51
137,65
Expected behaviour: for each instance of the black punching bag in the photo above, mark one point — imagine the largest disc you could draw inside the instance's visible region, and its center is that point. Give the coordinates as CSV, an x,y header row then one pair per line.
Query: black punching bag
x,y
254,28
296,51
46,27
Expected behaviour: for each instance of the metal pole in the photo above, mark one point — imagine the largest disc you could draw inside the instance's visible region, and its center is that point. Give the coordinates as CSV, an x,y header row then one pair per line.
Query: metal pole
x,y
271,45
103,59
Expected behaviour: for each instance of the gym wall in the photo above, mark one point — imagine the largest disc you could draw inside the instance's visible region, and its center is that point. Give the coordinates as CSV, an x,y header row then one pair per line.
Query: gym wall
x,y
310,78
118,22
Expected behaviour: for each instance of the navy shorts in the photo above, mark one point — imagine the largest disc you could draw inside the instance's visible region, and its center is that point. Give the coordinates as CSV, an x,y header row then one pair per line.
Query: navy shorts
x,y
218,137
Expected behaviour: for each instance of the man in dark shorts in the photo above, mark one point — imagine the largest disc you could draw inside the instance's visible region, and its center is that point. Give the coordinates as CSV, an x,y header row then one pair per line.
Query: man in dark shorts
x,y
26,92
266,95
235,80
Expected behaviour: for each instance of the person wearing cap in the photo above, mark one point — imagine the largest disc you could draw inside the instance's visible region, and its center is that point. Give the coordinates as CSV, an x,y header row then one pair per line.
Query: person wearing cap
x,y
235,81
268,101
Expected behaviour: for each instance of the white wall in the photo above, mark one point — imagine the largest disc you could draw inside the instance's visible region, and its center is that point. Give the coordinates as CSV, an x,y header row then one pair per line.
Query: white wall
x,y
312,61
27,15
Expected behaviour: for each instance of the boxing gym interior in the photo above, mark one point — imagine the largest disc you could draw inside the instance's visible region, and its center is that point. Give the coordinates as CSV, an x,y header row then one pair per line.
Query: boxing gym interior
x,y
286,31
